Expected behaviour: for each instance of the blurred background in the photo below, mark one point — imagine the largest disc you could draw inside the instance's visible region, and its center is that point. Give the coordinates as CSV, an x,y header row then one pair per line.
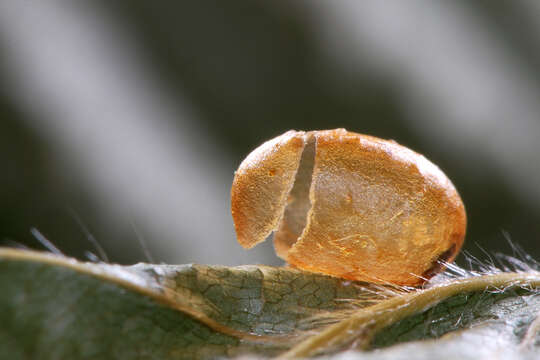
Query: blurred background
x,y
123,122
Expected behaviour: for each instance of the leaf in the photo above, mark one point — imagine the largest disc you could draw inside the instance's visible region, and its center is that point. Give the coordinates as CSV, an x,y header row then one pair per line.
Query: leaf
x,y
57,308
83,310
504,301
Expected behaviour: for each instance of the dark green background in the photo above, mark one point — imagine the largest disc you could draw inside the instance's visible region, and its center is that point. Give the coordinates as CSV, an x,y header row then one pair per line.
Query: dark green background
x,y
252,70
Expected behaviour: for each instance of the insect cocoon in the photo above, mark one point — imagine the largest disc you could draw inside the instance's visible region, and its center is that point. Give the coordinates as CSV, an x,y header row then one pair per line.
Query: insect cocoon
x,y
349,205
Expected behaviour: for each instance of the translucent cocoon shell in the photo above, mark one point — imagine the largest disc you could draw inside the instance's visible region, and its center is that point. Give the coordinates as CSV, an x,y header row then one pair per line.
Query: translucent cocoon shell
x,y
349,205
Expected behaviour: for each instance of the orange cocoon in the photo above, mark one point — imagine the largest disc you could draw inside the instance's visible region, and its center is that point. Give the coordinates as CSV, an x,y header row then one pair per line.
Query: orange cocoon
x,y
349,205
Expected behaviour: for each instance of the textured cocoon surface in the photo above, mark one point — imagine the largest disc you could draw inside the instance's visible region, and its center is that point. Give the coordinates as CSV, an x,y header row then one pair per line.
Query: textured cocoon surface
x,y
349,205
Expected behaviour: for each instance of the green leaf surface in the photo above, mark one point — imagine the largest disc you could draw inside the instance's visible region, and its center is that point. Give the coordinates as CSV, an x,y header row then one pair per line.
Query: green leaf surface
x,y
57,308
